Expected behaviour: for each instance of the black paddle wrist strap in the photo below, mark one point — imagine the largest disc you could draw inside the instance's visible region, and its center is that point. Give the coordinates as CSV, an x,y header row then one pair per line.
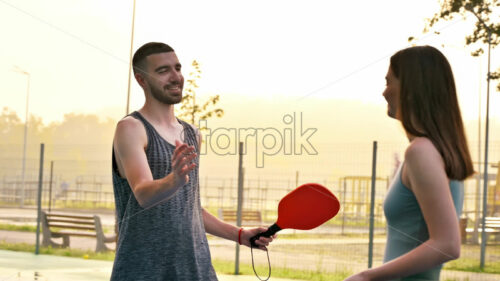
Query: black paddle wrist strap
x,y
268,263
268,233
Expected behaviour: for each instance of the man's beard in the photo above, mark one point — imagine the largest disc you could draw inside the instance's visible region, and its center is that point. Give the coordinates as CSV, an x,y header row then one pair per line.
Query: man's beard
x,y
162,97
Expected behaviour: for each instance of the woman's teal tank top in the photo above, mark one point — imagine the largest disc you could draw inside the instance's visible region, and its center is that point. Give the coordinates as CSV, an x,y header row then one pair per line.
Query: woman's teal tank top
x,y
406,227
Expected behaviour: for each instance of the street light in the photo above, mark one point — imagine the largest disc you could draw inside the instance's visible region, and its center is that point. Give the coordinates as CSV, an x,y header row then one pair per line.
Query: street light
x,y
469,8
19,70
130,61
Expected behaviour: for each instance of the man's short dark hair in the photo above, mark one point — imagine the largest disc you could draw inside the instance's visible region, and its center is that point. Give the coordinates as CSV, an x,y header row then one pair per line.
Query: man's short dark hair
x,y
139,59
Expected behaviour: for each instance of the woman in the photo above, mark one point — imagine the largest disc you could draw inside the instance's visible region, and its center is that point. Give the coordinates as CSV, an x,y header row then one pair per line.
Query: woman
x,y
425,200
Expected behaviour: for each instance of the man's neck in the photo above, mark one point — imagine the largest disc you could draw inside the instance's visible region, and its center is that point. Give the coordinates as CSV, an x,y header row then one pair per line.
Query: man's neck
x,y
161,114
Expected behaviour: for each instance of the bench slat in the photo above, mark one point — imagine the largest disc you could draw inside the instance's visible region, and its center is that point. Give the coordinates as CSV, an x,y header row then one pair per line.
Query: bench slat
x,y
71,221
70,216
247,216
71,226
491,225
226,218
81,234
488,230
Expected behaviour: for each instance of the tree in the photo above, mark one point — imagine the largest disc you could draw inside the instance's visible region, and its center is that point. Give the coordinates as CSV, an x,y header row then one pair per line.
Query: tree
x,y
11,126
487,10
190,109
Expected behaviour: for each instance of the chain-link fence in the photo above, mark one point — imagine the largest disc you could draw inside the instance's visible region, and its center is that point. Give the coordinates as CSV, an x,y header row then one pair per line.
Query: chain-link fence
x,y
80,178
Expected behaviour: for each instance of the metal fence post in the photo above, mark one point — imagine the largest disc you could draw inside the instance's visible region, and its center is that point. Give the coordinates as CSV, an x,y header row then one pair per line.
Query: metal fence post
x,y
372,204
240,206
40,183
343,205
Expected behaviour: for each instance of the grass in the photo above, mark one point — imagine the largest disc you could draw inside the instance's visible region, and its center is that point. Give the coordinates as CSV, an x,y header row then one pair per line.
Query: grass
x,y
472,265
269,217
15,227
109,229
358,252
469,260
75,253
32,228
220,266
227,267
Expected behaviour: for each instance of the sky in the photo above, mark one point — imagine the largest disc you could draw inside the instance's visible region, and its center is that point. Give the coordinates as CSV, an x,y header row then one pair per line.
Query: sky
x,y
266,59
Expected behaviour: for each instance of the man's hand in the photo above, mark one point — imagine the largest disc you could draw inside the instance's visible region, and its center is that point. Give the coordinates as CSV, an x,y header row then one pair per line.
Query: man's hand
x,y
181,163
262,242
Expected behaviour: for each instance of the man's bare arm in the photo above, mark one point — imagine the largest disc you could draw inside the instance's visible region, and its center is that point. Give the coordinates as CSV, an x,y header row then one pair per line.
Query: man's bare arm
x,y
129,144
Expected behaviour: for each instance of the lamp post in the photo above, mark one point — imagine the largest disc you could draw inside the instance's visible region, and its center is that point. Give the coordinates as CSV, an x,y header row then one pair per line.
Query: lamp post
x,y
469,8
130,61
19,70
477,202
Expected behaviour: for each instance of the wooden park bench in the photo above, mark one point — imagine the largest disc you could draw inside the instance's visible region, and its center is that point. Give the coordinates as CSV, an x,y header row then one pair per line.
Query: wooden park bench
x,y
248,217
491,227
59,225
491,224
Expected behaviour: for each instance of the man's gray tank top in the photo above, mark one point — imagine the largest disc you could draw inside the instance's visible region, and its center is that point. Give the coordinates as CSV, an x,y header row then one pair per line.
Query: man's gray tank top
x,y
168,240
406,227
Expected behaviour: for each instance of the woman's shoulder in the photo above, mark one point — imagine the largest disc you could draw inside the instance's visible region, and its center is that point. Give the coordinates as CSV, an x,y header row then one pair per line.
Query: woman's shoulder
x,y
423,152
421,147
422,161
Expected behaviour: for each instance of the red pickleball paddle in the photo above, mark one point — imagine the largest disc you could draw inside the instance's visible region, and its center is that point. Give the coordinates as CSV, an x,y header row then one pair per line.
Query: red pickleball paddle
x,y
306,207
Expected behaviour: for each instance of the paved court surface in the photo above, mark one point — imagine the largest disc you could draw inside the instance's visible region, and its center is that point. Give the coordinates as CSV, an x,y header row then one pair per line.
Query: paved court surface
x,y
27,266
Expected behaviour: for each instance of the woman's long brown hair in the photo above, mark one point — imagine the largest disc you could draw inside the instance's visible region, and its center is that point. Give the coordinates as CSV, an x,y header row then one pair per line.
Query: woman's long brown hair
x,y
429,106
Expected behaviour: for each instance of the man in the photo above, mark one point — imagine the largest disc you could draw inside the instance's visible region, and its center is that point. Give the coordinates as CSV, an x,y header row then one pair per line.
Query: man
x,y
155,180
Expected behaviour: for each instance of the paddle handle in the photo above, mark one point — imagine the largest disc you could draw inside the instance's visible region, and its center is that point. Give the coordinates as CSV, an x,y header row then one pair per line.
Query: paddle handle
x,y
268,233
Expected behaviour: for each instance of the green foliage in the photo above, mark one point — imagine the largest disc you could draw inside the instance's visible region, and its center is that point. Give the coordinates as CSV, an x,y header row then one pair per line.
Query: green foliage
x,y
10,125
190,109
227,267
486,10
14,227
472,265
224,267
74,129
469,259
67,252
76,144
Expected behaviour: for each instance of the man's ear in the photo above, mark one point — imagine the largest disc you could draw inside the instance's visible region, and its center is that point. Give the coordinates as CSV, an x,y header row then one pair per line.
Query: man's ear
x,y
140,79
